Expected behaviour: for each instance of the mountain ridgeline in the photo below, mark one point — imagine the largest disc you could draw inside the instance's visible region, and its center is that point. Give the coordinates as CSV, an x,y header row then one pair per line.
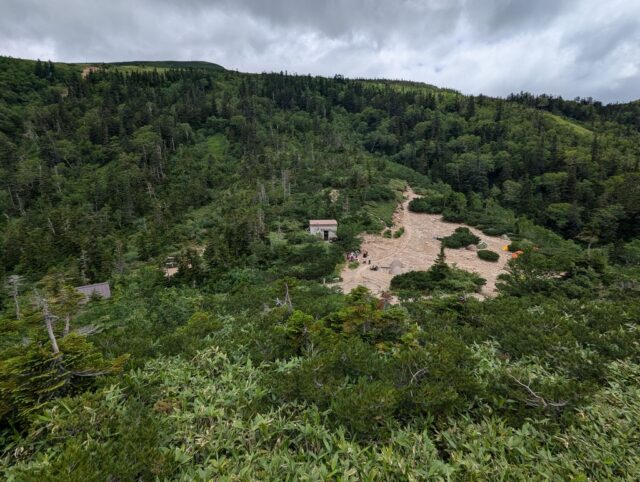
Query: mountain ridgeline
x,y
246,362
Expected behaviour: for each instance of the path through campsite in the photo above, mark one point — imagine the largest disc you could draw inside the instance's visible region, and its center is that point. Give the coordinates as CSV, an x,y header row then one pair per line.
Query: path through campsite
x,y
417,249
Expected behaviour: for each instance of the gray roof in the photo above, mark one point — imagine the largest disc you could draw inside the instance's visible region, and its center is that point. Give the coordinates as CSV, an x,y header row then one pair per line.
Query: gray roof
x,y
100,289
323,222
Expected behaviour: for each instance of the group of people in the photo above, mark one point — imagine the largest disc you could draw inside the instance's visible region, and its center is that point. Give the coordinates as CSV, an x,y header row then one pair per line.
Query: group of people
x,y
355,255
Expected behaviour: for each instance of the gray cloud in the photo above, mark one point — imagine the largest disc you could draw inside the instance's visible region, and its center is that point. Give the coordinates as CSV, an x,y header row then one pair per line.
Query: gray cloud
x,y
564,47
496,19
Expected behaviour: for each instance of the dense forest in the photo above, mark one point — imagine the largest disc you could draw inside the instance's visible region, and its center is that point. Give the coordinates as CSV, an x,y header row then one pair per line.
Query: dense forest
x,y
246,364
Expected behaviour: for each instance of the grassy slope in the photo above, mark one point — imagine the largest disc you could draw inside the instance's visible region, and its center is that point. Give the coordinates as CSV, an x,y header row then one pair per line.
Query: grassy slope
x,y
569,124
170,64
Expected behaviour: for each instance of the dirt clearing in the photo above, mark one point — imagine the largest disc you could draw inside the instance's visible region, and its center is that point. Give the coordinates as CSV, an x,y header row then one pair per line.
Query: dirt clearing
x,y
417,249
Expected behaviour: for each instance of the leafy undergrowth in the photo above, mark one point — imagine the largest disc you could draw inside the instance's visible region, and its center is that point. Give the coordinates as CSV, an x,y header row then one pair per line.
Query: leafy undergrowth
x,y
208,418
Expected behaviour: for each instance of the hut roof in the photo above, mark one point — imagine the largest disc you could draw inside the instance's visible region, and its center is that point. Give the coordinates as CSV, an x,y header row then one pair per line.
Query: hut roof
x,y
101,289
323,222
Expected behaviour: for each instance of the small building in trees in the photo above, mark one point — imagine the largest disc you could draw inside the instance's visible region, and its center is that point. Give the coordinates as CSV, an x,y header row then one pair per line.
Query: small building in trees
x,y
325,228
101,290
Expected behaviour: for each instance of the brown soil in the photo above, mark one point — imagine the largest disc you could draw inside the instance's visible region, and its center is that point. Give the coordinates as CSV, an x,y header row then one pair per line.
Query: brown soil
x,y
87,70
417,249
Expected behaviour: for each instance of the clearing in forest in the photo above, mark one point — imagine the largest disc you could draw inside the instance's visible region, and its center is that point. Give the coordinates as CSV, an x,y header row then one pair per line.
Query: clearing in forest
x,y
417,250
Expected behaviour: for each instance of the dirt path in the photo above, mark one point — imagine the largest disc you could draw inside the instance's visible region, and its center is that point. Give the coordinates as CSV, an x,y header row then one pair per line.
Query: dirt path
x,y
417,249
87,70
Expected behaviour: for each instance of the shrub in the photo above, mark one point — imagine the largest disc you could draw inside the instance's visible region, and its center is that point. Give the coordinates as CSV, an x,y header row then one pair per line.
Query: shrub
x,y
365,407
494,231
378,193
37,375
460,238
387,233
299,237
488,255
398,233
413,281
520,245
452,216
439,277
431,205
454,280
492,221
626,254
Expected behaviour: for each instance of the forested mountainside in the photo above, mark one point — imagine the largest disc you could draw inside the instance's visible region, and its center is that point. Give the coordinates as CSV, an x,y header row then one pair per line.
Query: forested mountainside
x,y
248,363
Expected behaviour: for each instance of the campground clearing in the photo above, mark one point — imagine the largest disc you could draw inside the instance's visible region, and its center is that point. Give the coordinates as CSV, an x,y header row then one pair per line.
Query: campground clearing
x,y
416,249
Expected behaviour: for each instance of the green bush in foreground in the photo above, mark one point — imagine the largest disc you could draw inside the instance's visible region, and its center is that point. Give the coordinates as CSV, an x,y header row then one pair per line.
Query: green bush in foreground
x,y
488,255
177,433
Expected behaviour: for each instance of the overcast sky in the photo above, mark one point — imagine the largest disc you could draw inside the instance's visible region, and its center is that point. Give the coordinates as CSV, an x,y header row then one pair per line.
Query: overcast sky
x,y
563,47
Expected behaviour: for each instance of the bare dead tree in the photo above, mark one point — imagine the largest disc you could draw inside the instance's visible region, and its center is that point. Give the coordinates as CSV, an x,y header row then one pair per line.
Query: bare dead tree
x,y
88,330
287,299
67,325
120,262
56,179
19,206
68,303
415,377
286,184
262,194
535,399
51,227
150,191
315,380
84,266
260,225
42,304
13,283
